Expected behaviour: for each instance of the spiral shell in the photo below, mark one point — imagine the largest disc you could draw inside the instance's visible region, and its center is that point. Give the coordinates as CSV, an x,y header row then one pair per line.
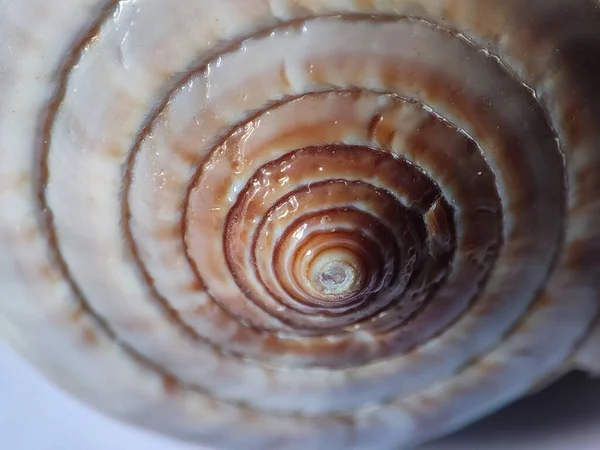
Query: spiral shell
x,y
300,224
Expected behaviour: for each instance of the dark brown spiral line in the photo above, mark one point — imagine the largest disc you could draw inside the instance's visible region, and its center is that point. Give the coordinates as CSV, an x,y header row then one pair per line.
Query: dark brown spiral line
x,y
369,303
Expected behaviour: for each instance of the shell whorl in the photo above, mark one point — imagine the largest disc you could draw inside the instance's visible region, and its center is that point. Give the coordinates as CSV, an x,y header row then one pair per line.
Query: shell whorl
x,y
300,224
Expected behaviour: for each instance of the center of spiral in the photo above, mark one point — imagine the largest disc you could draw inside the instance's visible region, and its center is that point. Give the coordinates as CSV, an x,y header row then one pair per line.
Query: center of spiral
x,y
333,276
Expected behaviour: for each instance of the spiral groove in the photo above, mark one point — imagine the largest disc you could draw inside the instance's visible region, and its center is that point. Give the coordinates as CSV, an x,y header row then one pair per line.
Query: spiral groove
x,y
316,221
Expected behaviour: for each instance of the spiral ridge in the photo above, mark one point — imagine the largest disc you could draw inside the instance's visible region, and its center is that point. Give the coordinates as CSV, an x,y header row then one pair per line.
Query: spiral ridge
x,y
316,222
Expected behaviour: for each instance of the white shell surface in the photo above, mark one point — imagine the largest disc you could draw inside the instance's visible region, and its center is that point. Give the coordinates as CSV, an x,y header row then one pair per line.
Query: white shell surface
x,y
112,67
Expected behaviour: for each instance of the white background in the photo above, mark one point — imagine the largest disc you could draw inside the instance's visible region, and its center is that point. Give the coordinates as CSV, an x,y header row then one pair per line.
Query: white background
x,y
36,416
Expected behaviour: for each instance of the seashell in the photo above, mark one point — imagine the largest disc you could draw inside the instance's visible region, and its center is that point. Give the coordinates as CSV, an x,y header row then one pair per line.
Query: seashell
x,y
292,224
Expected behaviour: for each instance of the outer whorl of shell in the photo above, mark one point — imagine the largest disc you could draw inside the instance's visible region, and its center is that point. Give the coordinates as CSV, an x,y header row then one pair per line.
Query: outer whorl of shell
x,y
300,224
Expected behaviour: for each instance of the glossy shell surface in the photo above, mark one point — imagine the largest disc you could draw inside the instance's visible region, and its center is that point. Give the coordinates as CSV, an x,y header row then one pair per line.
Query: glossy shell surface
x,y
300,224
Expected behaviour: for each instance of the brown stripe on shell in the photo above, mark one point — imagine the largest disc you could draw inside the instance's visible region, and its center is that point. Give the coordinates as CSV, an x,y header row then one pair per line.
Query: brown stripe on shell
x,y
321,161
344,194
